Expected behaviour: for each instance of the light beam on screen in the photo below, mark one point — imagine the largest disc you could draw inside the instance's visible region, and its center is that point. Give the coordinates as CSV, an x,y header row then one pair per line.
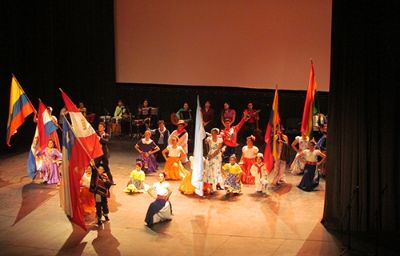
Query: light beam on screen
x,y
253,44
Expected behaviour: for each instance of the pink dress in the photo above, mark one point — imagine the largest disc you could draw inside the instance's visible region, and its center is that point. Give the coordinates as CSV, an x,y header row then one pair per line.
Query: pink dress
x,y
50,167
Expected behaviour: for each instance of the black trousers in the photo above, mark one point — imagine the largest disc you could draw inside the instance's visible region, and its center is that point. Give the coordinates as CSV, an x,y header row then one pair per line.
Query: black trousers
x,y
101,207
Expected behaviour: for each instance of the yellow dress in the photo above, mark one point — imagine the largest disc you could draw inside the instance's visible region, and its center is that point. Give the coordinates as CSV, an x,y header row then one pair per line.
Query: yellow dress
x,y
136,183
186,186
232,181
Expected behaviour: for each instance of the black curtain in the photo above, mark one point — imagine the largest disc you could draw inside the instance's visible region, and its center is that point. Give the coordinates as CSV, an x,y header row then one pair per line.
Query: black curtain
x,y
363,179
50,44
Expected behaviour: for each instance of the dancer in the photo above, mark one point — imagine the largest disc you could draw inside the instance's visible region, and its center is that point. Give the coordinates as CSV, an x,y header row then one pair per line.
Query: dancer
x,y
104,139
147,148
173,154
160,136
183,137
259,171
309,156
212,170
297,167
136,182
50,159
186,186
229,136
232,172
159,210
101,193
282,158
249,153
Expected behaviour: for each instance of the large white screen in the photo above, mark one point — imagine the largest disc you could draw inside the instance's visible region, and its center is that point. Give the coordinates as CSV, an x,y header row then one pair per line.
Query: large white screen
x,y
241,43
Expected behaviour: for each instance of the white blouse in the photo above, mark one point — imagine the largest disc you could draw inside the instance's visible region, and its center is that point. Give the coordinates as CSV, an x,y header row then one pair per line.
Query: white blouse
x,y
249,152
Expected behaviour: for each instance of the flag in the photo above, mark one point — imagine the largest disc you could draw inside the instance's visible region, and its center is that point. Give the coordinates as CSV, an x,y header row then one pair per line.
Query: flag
x,y
198,162
75,161
307,120
20,108
271,150
80,146
82,128
31,164
45,126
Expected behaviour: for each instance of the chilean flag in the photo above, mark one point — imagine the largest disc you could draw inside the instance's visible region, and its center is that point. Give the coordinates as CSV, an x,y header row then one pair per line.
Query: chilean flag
x,y
80,145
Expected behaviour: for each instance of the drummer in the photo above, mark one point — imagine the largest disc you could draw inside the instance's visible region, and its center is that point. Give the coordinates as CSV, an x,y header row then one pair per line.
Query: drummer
x,y
119,113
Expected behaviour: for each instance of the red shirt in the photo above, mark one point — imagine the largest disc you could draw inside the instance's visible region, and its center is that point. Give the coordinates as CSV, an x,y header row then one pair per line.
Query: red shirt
x,y
229,136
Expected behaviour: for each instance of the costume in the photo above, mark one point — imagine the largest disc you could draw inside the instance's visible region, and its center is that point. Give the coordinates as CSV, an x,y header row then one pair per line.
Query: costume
x,y
183,138
136,182
101,193
49,168
259,171
281,161
160,137
309,182
149,160
173,166
248,159
232,181
160,209
208,117
212,168
297,166
104,139
229,136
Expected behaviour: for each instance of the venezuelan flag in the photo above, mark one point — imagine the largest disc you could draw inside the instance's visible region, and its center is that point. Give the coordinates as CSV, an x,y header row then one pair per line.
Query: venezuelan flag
x,y
307,121
20,108
271,150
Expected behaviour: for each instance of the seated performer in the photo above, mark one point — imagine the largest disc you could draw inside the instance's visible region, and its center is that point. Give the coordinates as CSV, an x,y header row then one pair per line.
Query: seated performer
x,y
136,182
228,113
159,210
232,172
249,153
259,171
207,114
251,123
119,113
309,156
49,169
147,148
173,154
144,112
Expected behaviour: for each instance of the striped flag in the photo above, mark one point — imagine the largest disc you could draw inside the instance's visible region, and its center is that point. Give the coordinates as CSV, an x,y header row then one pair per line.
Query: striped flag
x,y
32,161
271,150
307,120
198,163
46,127
80,146
20,108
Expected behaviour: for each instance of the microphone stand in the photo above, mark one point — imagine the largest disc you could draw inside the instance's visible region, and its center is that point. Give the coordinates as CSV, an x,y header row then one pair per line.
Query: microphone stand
x,y
348,248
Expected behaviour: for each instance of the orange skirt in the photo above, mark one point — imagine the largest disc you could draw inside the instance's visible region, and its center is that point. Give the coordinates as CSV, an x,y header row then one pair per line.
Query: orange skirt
x,y
174,169
186,186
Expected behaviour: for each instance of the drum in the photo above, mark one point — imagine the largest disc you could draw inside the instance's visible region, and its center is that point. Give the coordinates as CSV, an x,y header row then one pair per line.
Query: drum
x,y
116,126
154,111
138,122
105,119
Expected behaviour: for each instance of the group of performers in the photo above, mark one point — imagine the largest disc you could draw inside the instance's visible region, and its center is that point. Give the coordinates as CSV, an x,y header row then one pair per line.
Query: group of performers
x,y
223,169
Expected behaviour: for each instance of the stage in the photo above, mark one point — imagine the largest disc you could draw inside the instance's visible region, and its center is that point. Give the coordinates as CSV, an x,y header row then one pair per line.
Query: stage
x,y
287,222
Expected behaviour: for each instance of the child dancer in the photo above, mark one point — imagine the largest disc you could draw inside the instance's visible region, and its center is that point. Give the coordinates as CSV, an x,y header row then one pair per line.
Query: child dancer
x,y
259,171
136,182
232,172
101,193
249,153
87,199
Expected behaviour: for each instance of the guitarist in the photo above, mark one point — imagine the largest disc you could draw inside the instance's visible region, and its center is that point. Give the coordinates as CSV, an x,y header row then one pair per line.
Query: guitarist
x,y
251,124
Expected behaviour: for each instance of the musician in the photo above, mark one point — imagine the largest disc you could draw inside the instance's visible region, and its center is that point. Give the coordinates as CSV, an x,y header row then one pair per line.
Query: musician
x,y
120,110
119,113
160,137
185,114
104,139
228,113
252,119
207,114
144,113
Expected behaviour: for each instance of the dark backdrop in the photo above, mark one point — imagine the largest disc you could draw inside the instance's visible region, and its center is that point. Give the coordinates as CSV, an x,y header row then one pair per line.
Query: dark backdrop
x,y
363,138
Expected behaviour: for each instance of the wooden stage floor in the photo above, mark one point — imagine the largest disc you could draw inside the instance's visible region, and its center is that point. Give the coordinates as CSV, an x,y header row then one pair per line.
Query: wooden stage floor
x,y
287,222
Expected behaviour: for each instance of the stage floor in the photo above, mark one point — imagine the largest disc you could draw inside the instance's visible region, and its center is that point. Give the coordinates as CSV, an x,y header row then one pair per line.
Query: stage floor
x,y
287,222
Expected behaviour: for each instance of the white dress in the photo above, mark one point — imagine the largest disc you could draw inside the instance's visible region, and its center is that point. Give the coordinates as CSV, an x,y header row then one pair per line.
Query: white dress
x,y
212,172
297,166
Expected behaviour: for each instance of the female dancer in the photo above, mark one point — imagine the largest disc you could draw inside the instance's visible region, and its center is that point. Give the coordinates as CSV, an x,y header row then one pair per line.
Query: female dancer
x,y
297,166
232,172
212,170
249,153
147,148
160,209
136,182
51,161
173,155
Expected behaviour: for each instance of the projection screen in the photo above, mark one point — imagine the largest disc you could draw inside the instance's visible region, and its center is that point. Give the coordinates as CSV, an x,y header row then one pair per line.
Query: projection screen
x,y
239,43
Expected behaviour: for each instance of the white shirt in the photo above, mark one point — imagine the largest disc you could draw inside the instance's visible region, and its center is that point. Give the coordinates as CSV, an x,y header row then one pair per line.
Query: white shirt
x,y
311,156
161,188
249,152
174,152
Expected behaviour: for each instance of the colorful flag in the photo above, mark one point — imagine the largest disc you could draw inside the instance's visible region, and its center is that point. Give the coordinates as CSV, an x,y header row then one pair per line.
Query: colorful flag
x,y
32,163
307,120
20,108
80,146
271,150
198,162
75,161
45,126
